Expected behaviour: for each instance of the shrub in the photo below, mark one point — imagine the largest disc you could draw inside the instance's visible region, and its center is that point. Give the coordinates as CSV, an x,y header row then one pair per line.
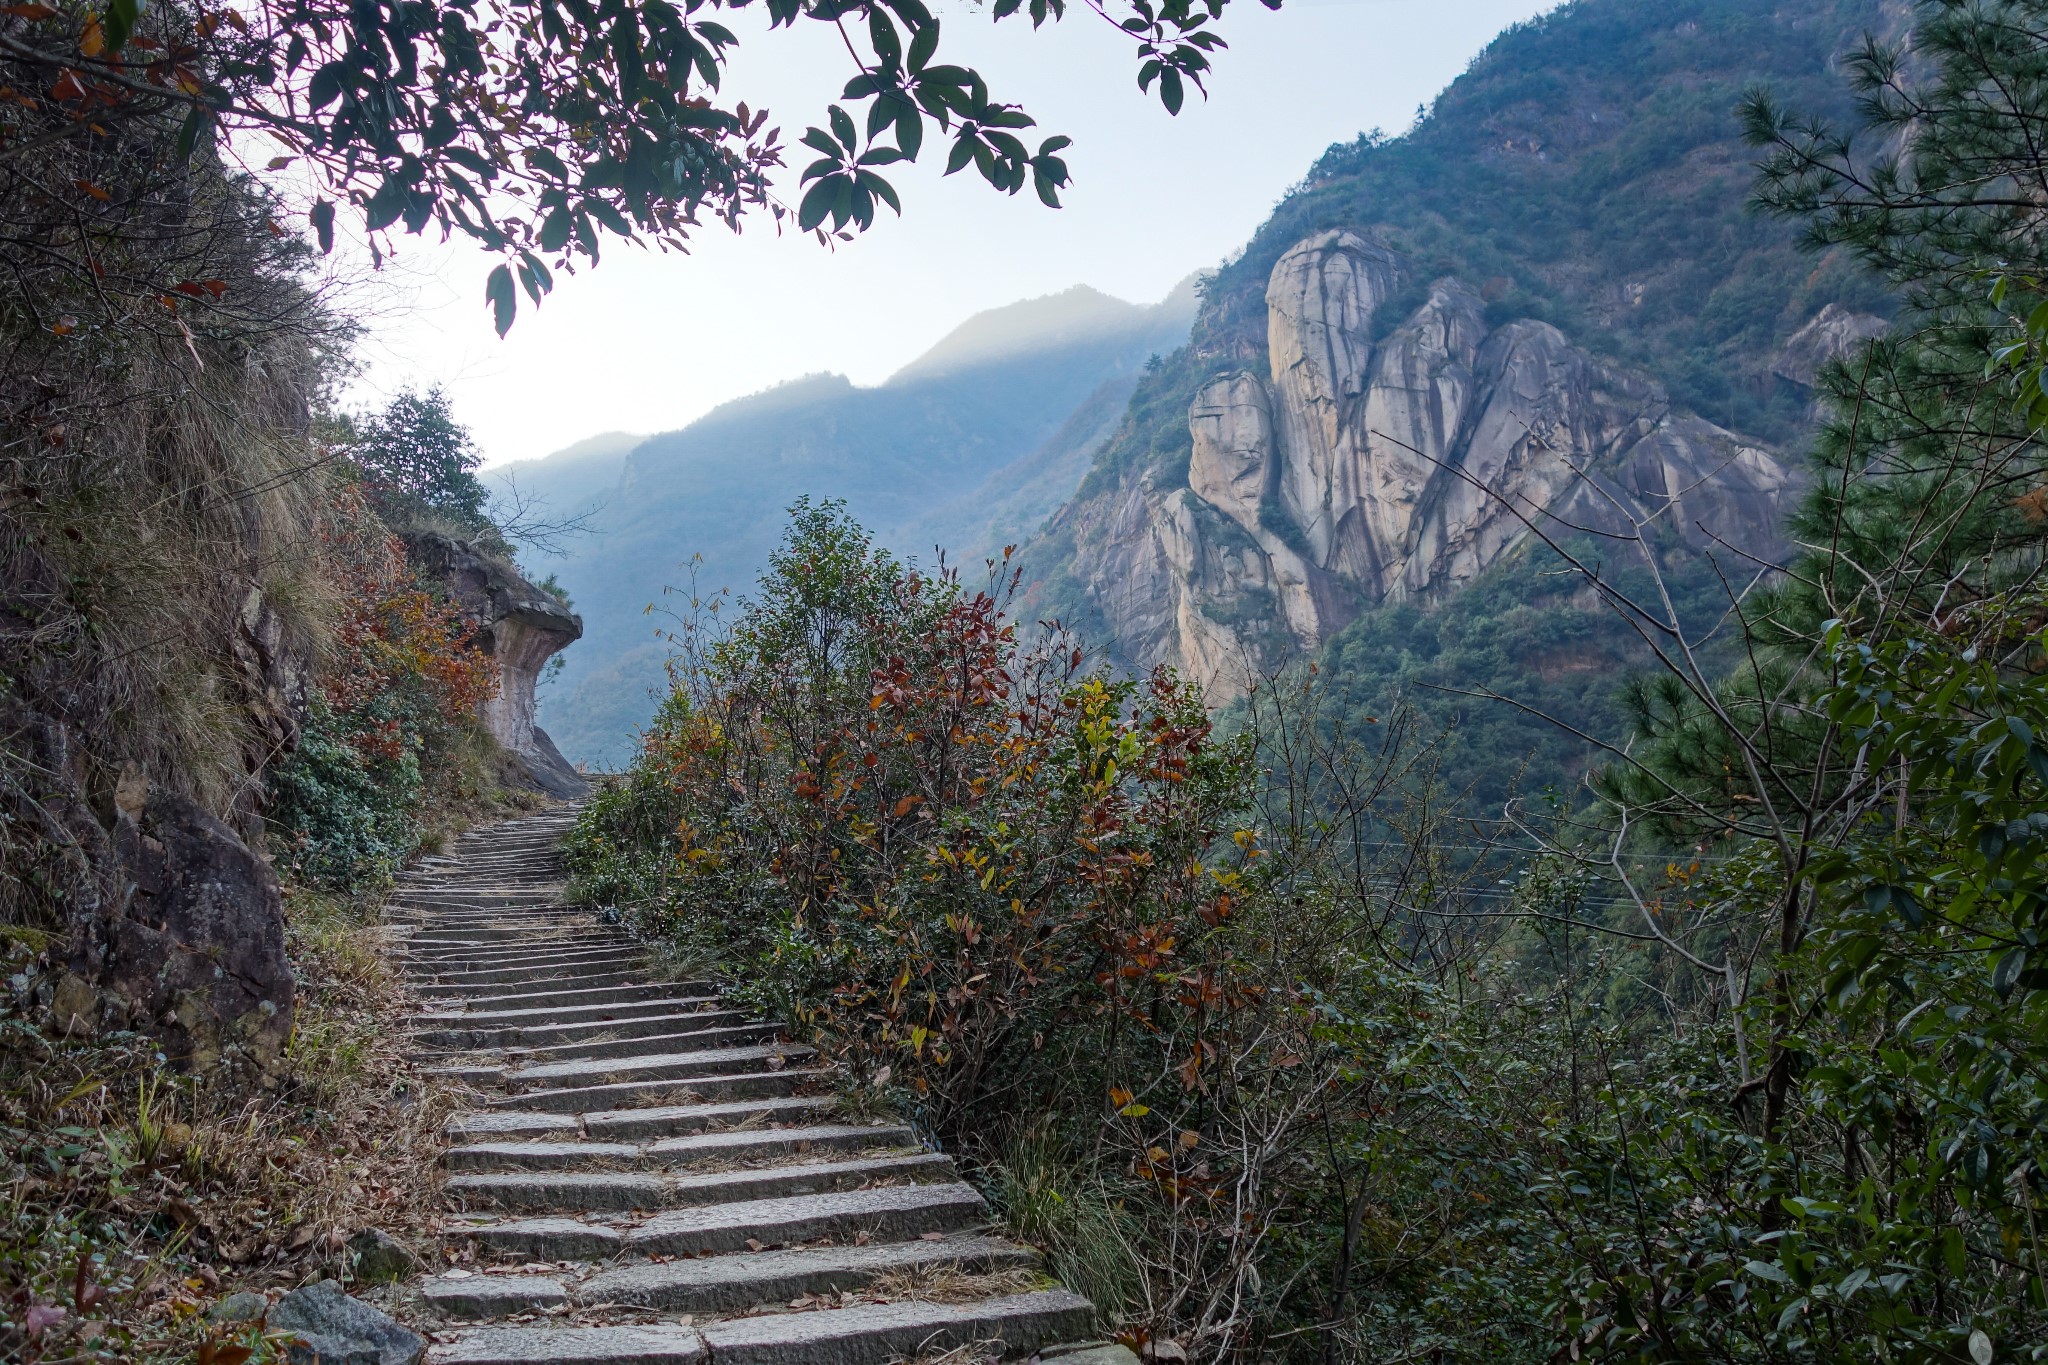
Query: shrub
x,y
394,704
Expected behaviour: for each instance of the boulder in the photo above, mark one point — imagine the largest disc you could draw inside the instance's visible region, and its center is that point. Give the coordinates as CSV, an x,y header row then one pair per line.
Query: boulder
x,y
175,927
376,1256
242,1307
195,953
327,1327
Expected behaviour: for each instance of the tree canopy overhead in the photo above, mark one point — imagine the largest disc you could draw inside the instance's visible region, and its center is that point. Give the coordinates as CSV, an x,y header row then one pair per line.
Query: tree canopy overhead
x,y
537,127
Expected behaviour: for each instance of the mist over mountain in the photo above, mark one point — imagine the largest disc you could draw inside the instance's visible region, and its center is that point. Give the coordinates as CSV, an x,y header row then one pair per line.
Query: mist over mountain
x,y
973,444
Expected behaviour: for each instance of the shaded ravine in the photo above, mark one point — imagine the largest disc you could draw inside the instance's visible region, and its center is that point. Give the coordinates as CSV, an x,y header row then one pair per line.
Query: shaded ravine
x,y
652,1176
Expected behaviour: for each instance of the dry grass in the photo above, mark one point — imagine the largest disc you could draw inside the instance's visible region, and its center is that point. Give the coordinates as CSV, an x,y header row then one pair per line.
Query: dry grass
x,y
951,1284
971,1353
171,1194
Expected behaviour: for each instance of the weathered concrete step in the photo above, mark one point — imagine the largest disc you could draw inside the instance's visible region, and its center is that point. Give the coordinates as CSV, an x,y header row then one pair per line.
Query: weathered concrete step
x,y
682,1120
594,968
725,1284
589,1030
665,1066
561,1014
492,1296
722,1034
894,1213
430,945
622,1191
656,1345
459,917
610,955
746,1145
623,993
876,1333
537,955
742,1086
591,977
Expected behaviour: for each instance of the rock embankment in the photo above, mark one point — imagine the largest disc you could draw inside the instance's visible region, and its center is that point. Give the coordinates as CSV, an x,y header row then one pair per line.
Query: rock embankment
x,y
654,1176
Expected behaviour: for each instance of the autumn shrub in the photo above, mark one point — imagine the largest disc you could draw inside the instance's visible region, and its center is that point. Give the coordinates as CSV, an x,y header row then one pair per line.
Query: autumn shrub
x,y
1025,901
392,705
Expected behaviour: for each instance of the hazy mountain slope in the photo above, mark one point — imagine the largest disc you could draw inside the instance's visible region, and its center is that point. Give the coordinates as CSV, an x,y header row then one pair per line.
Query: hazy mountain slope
x,y
571,481
953,424
1555,268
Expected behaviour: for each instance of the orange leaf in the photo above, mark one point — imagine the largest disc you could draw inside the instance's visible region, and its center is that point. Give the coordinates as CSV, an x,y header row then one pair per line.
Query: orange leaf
x,y
94,190
30,12
93,41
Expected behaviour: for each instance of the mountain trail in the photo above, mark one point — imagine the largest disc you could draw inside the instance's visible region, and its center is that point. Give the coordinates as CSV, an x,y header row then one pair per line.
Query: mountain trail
x,y
652,1176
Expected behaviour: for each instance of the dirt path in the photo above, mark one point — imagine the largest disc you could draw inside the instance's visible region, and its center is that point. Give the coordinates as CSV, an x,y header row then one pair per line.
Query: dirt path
x,y
656,1177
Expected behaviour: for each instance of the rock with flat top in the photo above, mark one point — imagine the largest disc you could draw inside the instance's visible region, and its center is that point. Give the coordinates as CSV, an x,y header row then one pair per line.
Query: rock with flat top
x,y
327,1327
378,1256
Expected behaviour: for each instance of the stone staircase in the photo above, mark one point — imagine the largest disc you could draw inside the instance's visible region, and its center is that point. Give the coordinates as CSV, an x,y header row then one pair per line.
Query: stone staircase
x,y
654,1177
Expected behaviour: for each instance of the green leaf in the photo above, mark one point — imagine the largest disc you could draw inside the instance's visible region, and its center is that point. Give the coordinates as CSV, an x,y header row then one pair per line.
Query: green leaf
x,y
195,122
119,24
923,43
817,203
843,129
1767,1270
503,298
2007,973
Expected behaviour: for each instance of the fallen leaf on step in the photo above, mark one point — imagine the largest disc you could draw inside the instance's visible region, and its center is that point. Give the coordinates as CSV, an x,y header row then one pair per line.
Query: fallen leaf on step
x,y
935,1237
861,1239
753,1245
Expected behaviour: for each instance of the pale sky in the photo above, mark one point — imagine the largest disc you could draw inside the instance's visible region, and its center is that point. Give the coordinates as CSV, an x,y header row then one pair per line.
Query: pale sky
x,y
647,342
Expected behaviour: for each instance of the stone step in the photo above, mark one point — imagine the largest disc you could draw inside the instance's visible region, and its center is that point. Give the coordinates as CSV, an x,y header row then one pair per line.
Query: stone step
x,y
741,1086
722,1034
625,1191
656,1345
443,944
682,1120
624,993
535,969
878,1333
664,1066
594,968
561,1014
593,976
492,1296
589,1030
894,1213
726,1284
539,954
745,1145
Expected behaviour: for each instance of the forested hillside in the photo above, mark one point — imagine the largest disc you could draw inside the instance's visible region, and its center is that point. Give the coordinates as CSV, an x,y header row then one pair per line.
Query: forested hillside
x,y
1544,309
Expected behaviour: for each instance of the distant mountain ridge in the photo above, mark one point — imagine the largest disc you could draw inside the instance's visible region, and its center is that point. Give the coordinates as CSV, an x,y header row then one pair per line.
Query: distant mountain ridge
x,y
972,444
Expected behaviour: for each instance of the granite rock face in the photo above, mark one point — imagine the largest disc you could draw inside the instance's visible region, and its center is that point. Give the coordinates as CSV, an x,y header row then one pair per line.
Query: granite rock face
x,y
1365,463
522,627
175,926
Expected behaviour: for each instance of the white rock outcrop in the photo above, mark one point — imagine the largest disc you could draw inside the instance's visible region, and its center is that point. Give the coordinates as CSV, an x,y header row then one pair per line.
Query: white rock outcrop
x,y
1355,471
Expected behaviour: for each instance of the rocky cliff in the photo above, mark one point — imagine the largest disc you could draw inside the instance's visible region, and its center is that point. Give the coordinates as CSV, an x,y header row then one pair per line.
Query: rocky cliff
x,y
1351,471
1544,308
522,627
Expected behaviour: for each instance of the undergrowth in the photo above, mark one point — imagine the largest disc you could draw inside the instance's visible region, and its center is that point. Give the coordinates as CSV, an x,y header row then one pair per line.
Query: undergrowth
x,y
131,1197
